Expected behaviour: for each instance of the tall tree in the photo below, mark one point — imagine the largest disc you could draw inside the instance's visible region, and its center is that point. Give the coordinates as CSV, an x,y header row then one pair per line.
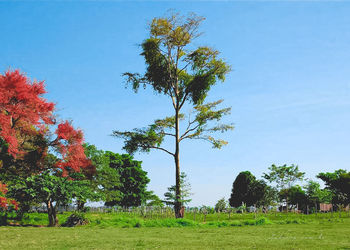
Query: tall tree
x,y
185,74
284,176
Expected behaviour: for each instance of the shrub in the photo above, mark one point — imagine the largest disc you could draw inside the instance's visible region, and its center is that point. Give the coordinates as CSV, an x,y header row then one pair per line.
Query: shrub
x,y
76,219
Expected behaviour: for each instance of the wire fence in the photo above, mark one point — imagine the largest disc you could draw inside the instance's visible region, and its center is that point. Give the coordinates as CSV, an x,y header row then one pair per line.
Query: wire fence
x,y
206,213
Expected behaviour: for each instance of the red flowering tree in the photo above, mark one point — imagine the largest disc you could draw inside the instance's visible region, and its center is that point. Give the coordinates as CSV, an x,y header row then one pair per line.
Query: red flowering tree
x,y
25,120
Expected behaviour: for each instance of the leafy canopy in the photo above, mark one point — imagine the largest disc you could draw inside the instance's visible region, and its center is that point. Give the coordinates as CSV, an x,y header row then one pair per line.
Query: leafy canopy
x,y
284,176
174,68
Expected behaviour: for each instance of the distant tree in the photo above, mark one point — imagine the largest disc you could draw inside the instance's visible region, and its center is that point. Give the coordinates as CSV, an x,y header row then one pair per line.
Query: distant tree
x,y
185,74
221,205
316,195
296,196
338,183
106,180
269,197
246,189
133,180
185,189
284,176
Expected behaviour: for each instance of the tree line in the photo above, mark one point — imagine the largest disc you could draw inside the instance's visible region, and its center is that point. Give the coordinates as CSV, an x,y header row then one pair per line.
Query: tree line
x,y
248,191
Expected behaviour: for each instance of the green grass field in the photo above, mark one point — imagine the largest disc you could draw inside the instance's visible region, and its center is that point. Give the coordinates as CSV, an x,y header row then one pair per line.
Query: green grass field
x,y
118,231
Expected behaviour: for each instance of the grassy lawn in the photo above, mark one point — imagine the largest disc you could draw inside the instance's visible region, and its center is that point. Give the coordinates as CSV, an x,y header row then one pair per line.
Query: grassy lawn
x,y
127,231
288,236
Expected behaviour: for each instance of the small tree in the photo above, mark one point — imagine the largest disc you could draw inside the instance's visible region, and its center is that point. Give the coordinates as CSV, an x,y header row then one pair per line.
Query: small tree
x,y
221,205
284,177
51,189
185,188
316,195
184,74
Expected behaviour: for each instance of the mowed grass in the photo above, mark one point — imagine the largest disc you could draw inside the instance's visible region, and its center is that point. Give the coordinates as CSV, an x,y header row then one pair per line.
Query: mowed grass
x,y
218,231
191,220
288,236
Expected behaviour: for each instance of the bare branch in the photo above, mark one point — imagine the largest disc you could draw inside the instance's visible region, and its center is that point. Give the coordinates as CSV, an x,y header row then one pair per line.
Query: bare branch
x,y
163,149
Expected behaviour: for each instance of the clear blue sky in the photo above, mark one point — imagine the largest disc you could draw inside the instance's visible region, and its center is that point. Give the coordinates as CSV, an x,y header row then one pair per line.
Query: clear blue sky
x,y
289,90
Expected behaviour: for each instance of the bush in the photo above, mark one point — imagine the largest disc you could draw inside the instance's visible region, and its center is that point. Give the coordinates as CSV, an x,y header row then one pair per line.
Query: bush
x,y
76,219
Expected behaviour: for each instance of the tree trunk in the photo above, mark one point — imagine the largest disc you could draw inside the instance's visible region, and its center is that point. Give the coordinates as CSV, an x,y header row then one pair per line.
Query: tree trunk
x,y
178,203
80,205
51,211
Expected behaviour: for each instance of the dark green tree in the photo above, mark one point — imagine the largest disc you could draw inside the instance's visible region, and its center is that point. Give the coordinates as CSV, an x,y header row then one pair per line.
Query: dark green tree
x,y
185,74
133,180
284,176
269,197
296,196
338,183
246,189
185,190
18,184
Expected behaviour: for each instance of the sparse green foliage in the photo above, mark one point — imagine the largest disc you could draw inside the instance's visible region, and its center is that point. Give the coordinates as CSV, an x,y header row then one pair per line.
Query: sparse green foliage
x,y
284,176
221,205
152,200
185,188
